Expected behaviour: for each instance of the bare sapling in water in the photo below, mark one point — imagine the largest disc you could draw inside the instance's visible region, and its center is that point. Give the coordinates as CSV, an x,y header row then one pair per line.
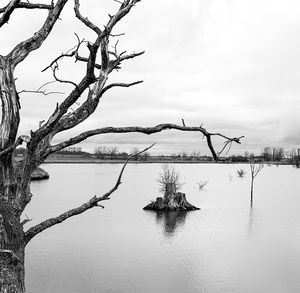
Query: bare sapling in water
x,y
255,169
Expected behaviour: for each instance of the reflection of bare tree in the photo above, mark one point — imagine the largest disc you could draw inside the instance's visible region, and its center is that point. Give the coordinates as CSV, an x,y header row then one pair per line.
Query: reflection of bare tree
x,y
251,221
170,221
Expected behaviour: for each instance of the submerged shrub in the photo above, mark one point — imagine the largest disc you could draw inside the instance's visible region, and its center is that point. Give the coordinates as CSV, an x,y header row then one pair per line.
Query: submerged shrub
x,y
241,173
202,184
169,176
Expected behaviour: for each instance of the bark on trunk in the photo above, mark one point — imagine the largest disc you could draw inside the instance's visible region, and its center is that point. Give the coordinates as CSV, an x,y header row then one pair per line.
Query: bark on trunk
x,y
11,272
10,105
12,246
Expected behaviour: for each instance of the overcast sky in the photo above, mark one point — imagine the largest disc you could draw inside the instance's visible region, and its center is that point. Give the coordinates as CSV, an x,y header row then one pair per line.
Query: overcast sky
x,y
233,65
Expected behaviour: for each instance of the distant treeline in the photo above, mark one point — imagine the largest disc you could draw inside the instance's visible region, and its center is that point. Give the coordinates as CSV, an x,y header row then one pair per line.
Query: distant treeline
x,y
268,154
271,154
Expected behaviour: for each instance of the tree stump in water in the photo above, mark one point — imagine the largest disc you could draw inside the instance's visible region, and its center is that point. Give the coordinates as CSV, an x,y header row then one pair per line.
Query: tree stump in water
x,y
172,201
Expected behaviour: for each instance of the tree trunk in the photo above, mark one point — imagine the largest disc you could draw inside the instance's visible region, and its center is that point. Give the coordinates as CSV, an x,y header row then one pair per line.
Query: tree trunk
x,y
12,192
10,105
251,202
11,272
12,246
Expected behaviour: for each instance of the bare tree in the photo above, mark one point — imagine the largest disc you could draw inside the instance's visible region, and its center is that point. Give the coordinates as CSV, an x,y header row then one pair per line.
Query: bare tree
x,y
103,151
267,154
100,61
255,169
113,151
145,156
278,154
274,154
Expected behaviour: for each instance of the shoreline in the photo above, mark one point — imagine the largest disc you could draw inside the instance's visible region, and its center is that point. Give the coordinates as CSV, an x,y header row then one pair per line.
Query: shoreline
x,y
103,161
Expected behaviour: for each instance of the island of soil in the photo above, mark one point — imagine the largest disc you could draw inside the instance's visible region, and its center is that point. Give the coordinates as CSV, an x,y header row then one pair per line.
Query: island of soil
x,y
39,174
171,201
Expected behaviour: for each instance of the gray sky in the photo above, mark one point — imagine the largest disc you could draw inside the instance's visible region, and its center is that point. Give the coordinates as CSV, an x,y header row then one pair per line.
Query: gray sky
x,y
233,65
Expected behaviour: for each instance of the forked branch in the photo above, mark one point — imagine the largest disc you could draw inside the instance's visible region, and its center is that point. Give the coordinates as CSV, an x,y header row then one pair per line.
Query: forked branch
x,y
8,11
93,202
85,20
28,5
23,49
60,120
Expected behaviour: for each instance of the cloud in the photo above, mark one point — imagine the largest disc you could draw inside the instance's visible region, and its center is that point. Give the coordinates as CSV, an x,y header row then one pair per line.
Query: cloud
x,y
231,65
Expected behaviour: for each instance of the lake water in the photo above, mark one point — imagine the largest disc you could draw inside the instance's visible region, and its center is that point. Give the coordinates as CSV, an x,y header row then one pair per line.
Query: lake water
x,y
224,247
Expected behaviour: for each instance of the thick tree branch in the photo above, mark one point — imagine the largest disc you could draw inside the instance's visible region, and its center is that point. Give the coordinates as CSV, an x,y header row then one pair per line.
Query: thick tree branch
x,y
93,202
8,11
10,105
28,5
144,130
22,50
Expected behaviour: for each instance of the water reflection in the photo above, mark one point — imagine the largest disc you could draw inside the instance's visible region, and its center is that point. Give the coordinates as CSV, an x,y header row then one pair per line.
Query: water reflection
x,y
251,221
170,221
224,248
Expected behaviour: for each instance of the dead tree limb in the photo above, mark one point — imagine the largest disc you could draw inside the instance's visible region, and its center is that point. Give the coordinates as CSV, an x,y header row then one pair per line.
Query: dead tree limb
x,y
57,120
91,88
28,5
8,11
100,61
93,202
144,130
23,49
45,93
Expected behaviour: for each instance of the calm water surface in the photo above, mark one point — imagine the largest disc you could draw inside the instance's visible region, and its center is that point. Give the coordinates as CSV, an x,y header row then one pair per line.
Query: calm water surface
x,y
224,247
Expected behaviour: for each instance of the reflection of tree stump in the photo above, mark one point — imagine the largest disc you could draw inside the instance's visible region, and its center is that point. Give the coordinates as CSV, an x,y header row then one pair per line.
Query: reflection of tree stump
x,y
170,221
172,201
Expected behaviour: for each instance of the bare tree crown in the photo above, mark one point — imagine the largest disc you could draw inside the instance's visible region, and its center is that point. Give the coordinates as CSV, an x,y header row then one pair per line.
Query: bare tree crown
x,y
100,61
